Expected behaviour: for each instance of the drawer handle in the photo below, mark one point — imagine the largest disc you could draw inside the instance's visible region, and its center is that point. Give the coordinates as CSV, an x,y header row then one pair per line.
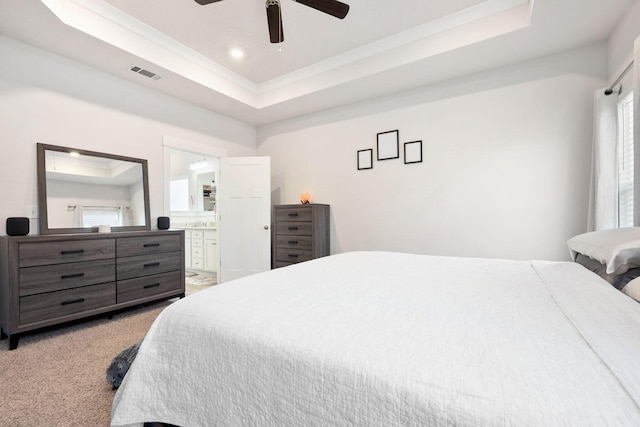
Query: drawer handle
x,y
155,285
152,264
293,242
73,301
293,256
151,245
71,276
293,214
293,228
75,251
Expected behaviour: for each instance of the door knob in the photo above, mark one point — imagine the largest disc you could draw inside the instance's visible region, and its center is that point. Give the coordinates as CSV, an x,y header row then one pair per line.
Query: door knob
x,y
266,227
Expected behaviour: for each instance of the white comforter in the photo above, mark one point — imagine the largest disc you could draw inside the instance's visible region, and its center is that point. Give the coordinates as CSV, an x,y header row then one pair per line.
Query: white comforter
x,y
388,339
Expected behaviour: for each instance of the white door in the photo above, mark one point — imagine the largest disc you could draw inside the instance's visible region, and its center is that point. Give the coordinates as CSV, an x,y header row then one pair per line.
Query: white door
x,y
244,202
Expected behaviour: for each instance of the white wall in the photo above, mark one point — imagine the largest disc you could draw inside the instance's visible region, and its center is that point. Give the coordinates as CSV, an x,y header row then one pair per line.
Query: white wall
x,y
506,163
620,44
49,99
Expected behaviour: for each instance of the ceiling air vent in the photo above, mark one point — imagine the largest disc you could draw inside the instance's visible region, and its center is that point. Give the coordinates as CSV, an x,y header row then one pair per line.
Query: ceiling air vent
x,y
145,73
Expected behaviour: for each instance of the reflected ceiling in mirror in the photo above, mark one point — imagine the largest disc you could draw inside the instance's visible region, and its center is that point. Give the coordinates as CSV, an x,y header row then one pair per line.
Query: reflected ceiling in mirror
x,y
79,191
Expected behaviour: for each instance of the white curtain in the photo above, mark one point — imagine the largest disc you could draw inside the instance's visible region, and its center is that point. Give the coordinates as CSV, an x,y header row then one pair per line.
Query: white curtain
x,y
603,197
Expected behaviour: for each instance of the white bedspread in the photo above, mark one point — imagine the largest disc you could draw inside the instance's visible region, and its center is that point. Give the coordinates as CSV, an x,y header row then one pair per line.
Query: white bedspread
x,y
388,339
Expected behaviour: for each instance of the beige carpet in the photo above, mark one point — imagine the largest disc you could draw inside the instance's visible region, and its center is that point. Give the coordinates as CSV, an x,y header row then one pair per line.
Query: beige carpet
x,y
57,377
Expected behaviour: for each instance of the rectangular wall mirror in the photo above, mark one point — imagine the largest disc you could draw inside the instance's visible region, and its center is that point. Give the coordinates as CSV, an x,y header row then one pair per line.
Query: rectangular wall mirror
x,y
80,190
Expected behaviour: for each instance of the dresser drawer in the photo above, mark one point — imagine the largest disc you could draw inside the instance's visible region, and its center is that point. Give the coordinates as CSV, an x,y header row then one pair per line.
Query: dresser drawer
x,y
295,228
279,264
293,255
129,246
144,265
148,286
49,278
289,241
293,214
32,254
35,308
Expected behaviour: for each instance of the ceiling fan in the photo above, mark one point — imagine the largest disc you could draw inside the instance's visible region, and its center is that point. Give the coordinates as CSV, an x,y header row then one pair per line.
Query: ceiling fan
x,y
274,15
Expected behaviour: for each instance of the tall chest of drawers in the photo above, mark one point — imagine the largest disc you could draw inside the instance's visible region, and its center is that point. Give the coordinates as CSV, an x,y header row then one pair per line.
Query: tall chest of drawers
x,y
52,279
300,233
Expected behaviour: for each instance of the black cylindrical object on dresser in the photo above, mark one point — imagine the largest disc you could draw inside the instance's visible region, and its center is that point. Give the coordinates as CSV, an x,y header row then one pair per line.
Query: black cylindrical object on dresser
x,y
17,226
163,223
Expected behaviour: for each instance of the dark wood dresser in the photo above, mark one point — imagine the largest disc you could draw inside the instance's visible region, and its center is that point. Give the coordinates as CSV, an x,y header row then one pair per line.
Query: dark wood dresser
x,y
51,279
300,233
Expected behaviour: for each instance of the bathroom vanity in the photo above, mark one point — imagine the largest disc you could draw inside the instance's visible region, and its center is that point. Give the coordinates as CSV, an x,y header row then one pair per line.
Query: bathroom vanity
x,y
201,249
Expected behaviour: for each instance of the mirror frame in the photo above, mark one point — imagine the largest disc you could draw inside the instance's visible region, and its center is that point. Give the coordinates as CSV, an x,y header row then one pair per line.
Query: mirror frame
x,y
42,190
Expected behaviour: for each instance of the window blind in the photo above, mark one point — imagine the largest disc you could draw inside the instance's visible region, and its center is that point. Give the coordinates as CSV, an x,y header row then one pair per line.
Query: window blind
x,y
625,161
94,217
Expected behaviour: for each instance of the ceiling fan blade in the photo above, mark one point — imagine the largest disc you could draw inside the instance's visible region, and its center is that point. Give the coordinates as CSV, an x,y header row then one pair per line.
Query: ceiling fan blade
x,y
206,2
332,7
274,21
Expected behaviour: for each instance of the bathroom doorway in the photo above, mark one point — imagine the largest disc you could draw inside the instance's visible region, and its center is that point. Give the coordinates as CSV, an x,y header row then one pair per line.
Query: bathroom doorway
x,y
192,197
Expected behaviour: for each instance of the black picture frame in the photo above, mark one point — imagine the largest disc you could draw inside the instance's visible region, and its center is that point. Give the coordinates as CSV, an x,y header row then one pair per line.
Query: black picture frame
x,y
412,152
388,144
365,161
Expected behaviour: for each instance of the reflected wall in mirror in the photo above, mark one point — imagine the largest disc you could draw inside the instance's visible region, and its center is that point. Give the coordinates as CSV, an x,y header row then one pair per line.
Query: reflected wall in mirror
x,y
80,190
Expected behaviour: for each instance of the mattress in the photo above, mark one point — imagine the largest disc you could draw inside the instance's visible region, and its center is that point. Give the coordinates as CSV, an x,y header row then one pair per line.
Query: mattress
x,y
377,338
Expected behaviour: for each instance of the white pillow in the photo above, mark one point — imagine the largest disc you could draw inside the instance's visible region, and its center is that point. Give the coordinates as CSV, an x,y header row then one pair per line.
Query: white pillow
x,y
618,248
632,289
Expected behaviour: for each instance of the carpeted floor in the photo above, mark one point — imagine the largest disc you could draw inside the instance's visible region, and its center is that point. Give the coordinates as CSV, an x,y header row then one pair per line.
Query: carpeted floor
x,y
57,377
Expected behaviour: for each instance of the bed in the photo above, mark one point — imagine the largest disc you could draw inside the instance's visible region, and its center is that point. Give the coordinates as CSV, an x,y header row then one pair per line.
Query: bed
x,y
392,339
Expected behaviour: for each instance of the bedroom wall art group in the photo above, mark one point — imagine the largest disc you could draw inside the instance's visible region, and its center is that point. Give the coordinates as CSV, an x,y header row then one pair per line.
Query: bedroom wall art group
x,y
388,148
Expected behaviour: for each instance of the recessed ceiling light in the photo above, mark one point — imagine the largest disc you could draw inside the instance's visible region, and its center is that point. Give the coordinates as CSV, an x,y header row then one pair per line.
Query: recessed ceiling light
x,y
237,53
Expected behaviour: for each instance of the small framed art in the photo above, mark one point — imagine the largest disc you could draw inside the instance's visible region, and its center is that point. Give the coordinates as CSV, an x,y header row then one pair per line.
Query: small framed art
x,y
365,159
388,145
413,152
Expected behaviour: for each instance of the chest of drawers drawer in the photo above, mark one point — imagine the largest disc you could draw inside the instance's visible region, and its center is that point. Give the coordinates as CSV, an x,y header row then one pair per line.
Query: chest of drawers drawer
x,y
148,286
293,214
51,305
293,255
129,246
294,228
293,241
49,278
145,265
60,252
